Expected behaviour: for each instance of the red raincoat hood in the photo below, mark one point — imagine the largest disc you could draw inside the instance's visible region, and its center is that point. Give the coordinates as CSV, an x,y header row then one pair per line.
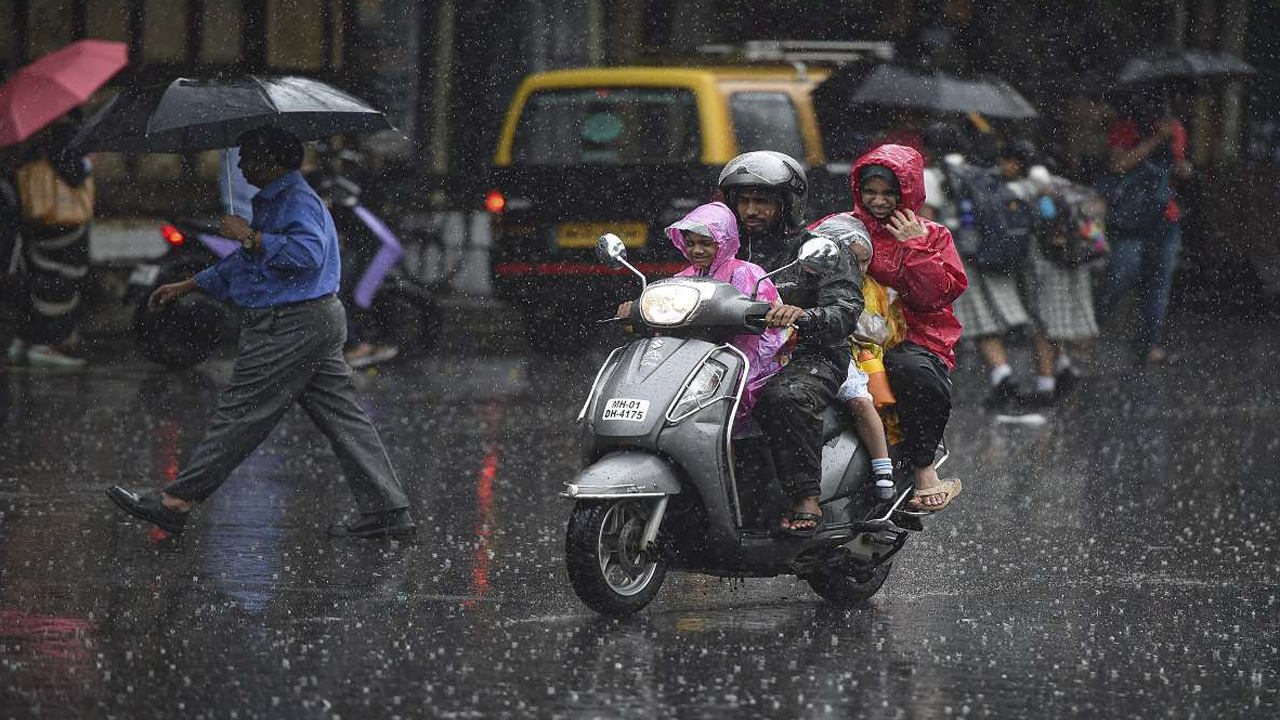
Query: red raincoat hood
x,y
926,271
906,163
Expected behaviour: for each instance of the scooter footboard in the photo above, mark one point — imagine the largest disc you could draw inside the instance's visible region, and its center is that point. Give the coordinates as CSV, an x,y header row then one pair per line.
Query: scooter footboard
x,y
624,474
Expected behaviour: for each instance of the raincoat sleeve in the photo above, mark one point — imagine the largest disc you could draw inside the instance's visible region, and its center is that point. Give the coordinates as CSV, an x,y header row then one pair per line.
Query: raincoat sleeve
x,y
762,349
300,245
839,304
215,280
927,273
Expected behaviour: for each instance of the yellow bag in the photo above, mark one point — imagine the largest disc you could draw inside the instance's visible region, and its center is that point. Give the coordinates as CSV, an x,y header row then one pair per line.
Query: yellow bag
x,y
48,199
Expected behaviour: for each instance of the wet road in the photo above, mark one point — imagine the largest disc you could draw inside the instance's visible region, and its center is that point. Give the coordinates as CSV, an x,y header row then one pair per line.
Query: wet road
x,y
1119,560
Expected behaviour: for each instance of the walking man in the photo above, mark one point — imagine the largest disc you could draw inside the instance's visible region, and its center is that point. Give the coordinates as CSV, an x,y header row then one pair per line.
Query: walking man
x,y
284,278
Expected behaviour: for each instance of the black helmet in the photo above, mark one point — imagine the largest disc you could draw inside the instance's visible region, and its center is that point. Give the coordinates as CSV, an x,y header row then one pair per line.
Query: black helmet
x,y
771,171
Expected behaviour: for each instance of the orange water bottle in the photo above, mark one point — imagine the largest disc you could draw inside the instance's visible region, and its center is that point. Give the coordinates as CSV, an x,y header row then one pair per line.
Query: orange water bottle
x,y
877,381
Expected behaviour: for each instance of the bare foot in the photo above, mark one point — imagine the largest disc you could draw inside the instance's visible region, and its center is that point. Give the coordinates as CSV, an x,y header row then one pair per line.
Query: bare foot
x,y
807,506
925,479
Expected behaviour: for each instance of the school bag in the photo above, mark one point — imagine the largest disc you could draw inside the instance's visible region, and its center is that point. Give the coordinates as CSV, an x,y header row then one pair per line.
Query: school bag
x,y
1073,225
1136,200
1006,223
49,200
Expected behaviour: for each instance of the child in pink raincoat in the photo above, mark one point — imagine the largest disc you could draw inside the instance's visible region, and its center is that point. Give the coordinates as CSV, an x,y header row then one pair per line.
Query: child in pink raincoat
x,y
708,237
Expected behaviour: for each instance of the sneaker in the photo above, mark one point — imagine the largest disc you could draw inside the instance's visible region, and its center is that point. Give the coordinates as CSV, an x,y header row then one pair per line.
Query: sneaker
x,y
885,489
1001,394
1040,399
1064,381
45,356
17,351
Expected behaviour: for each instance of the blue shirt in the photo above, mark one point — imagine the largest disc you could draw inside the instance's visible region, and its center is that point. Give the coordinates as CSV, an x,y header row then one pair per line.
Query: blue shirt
x,y
299,256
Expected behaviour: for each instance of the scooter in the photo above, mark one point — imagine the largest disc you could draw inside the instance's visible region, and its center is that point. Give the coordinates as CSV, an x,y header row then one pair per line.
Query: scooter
x,y
667,487
189,330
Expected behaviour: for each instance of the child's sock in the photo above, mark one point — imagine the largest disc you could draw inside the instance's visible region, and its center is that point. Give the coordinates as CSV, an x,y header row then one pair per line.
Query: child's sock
x,y
999,373
882,471
1046,383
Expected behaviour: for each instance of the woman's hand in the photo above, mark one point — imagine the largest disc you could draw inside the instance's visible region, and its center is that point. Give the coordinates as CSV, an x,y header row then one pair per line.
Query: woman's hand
x,y
904,225
624,310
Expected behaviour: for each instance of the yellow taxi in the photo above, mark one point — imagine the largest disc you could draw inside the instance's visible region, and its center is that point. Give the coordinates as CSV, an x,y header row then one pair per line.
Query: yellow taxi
x,y
627,150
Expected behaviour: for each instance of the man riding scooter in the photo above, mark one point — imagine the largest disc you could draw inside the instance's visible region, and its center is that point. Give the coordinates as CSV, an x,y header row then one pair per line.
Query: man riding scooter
x,y
767,192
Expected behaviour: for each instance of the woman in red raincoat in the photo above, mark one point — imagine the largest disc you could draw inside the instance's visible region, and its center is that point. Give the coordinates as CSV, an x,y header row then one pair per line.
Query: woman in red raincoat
x,y
916,259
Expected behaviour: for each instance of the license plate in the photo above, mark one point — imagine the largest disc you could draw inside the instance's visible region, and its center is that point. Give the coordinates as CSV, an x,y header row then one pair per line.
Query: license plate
x,y
585,234
144,275
626,409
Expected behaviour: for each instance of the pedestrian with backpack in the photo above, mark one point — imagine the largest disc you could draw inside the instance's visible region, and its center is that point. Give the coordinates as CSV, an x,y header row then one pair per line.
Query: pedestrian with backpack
x,y
997,224
1148,150
55,201
1070,240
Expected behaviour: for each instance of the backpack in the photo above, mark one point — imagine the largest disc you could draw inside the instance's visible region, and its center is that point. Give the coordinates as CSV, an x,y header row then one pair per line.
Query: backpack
x,y
1136,200
1075,234
49,200
1006,223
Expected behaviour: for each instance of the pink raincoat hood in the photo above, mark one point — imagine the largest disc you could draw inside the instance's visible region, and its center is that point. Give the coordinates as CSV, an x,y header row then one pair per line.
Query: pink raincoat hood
x,y
718,221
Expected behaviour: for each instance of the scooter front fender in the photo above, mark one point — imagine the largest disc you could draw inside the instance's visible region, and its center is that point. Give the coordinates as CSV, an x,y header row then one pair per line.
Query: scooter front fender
x,y
624,474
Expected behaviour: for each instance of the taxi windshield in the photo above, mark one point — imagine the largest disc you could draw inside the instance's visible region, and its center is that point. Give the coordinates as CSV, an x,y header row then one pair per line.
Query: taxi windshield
x,y
608,126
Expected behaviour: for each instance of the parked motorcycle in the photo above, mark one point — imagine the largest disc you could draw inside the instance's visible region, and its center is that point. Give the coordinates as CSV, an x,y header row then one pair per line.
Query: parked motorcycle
x,y
666,487
395,304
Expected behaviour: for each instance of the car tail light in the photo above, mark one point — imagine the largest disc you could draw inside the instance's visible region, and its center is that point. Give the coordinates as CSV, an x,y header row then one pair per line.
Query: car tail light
x,y
495,202
172,235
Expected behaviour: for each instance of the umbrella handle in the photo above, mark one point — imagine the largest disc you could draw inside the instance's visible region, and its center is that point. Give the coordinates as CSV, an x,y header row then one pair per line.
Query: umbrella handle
x,y
231,196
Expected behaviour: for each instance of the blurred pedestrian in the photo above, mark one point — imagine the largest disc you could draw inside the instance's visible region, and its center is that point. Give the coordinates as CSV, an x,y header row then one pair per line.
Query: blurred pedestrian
x,y
992,212
55,192
10,230
1060,292
1148,149
284,278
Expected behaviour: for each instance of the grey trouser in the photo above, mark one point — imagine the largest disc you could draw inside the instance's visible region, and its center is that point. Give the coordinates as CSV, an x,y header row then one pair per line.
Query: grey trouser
x,y
292,353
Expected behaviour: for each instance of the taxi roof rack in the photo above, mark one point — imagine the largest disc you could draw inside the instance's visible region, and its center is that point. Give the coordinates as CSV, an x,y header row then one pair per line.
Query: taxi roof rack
x,y
803,51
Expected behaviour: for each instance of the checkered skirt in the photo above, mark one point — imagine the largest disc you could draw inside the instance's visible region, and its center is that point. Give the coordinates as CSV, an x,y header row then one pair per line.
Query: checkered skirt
x,y
1061,299
991,306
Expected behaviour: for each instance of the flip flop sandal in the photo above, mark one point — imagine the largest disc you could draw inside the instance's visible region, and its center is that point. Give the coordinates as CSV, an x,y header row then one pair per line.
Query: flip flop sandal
x,y
948,488
794,517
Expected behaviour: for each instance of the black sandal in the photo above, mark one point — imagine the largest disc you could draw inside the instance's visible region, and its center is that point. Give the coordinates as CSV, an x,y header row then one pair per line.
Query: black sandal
x,y
803,517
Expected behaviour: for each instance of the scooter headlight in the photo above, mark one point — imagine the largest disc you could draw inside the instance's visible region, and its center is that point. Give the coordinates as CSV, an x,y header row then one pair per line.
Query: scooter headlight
x,y
668,304
701,390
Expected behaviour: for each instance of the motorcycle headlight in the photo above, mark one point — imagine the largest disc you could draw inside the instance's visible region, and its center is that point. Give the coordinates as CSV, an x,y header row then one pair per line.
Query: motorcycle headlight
x,y
702,389
668,304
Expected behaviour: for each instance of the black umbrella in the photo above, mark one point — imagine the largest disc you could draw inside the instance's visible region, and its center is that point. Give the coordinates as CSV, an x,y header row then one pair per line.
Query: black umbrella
x,y
1174,64
187,114
890,85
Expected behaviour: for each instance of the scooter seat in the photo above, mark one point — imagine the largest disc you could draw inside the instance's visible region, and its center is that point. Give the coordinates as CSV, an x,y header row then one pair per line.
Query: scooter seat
x,y
835,420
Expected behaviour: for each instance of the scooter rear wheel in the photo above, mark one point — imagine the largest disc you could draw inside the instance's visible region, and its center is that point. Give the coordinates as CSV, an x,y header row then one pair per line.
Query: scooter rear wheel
x,y
602,552
839,588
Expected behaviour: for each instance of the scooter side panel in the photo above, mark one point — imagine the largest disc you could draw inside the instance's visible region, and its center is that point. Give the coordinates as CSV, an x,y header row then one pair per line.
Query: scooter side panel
x,y
845,467
698,446
625,474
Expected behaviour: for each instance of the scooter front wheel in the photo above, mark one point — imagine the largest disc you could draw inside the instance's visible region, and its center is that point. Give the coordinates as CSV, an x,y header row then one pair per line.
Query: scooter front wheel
x,y
608,571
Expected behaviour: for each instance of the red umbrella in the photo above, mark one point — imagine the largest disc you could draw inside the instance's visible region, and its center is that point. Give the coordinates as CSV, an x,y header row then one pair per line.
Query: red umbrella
x,y
41,92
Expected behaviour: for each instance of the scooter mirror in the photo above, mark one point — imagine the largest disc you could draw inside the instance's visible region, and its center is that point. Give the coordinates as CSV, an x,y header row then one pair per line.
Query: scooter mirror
x,y
610,249
819,256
